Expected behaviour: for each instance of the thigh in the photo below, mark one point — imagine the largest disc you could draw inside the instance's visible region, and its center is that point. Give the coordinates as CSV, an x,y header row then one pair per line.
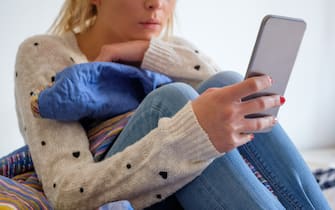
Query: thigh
x,y
227,183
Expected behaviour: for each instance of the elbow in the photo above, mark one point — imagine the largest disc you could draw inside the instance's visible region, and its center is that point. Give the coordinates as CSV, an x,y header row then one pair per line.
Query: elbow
x,y
62,199
63,194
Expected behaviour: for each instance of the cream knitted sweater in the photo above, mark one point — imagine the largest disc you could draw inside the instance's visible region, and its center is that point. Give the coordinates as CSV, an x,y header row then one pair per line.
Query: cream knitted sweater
x,y
71,179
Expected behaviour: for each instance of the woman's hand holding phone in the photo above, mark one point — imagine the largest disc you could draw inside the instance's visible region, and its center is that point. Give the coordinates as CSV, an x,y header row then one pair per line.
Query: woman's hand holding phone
x,y
221,112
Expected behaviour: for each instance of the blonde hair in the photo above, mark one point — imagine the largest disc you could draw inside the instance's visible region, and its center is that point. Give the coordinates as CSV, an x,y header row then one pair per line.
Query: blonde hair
x,y
79,15
75,15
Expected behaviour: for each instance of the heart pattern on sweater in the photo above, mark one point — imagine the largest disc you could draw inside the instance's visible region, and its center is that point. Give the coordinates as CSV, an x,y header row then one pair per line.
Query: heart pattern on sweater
x,y
163,174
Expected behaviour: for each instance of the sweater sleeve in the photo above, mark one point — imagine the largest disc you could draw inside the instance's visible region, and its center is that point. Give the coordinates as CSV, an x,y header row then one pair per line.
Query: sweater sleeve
x,y
159,164
180,60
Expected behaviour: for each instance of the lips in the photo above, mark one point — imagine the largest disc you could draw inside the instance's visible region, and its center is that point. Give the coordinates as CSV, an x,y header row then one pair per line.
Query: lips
x,y
151,21
151,24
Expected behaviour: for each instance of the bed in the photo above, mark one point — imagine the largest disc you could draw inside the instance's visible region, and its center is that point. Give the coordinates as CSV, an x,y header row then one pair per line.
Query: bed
x,y
322,163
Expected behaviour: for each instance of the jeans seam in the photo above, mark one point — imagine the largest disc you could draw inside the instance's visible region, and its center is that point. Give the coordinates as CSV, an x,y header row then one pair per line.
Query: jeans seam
x,y
159,109
260,165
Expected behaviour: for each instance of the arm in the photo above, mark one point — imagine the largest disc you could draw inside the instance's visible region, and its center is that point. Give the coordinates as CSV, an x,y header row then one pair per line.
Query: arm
x,y
176,58
180,60
64,163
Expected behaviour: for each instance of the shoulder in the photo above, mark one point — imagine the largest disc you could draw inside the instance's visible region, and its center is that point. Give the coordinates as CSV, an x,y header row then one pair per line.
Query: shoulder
x,y
48,51
41,42
40,46
48,45
36,47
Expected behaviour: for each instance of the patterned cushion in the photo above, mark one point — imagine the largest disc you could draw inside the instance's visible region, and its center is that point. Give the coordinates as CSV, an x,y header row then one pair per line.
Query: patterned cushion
x,y
15,195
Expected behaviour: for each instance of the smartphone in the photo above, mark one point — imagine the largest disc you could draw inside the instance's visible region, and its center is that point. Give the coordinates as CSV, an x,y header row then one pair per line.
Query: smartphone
x,y
274,54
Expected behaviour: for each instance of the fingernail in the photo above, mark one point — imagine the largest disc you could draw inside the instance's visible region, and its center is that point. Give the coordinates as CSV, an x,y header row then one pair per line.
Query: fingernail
x,y
282,100
271,80
252,136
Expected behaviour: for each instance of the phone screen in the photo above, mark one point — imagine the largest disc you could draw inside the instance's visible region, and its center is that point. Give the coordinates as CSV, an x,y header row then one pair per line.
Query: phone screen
x,y
274,54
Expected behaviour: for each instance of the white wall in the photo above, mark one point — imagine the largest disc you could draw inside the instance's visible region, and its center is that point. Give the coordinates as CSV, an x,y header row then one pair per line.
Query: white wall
x,y
19,19
226,30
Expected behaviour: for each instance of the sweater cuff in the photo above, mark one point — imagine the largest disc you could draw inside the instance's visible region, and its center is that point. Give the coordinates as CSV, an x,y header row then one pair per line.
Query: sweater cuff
x,y
34,102
159,56
194,141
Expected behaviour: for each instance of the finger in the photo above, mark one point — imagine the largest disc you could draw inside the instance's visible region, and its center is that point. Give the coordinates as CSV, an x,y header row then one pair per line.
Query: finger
x,y
257,124
260,104
250,86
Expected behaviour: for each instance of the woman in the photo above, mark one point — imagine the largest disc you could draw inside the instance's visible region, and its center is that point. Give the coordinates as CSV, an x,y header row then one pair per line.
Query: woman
x,y
177,142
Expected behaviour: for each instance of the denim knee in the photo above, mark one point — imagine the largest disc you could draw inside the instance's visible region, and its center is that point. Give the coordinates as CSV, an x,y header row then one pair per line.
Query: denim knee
x,y
221,79
172,96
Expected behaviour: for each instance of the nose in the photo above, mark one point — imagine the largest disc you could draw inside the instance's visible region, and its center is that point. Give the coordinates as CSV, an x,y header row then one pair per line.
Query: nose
x,y
153,4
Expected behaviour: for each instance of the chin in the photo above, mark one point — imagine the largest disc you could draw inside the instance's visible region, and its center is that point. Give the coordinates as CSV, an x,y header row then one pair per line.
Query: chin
x,y
146,36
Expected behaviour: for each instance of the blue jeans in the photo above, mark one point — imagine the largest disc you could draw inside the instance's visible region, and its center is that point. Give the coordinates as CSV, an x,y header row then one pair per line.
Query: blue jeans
x,y
228,182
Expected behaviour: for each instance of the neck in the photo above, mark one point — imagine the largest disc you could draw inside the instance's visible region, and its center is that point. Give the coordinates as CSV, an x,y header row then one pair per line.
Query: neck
x,y
91,41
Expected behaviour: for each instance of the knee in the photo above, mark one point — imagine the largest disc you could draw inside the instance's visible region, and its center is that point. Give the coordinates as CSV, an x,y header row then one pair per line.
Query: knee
x,y
229,77
221,79
170,97
225,78
176,91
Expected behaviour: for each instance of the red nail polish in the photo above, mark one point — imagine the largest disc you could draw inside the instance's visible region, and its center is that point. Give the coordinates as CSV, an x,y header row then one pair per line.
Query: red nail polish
x,y
282,100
